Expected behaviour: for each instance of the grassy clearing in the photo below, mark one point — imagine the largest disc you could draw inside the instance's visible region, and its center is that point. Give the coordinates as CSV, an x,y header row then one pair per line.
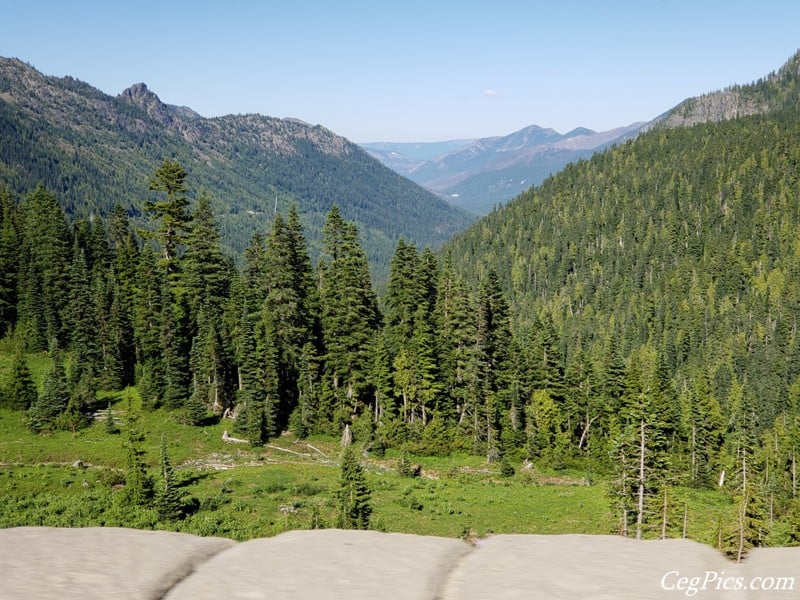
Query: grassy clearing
x,y
71,479
241,492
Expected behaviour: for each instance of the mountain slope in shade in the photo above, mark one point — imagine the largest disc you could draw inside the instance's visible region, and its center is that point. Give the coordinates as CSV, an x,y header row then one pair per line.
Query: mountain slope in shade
x,y
95,150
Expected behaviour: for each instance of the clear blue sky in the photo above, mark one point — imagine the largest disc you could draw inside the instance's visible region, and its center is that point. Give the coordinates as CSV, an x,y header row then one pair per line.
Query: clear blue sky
x,y
410,70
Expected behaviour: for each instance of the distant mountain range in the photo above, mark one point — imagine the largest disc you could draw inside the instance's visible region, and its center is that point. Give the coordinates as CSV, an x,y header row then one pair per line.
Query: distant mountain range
x,y
94,150
479,174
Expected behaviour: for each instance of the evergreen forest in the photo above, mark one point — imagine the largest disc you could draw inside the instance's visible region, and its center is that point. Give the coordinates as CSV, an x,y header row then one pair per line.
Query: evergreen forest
x,y
634,318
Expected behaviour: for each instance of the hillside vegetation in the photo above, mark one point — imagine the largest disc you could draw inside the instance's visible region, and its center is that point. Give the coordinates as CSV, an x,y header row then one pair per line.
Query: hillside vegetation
x,y
634,319
95,151
672,257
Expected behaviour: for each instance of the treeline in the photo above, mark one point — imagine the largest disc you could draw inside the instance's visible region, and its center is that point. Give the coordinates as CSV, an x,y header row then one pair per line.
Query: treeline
x,y
278,344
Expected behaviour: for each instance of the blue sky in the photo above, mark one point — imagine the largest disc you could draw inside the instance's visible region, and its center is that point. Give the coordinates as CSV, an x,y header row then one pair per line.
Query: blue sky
x,y
411,70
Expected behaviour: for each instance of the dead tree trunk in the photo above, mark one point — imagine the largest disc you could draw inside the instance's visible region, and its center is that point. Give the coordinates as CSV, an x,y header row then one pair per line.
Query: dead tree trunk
x,y
640,504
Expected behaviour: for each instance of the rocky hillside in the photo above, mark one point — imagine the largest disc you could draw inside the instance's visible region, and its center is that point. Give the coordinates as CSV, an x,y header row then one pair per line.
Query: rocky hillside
x,y
776,91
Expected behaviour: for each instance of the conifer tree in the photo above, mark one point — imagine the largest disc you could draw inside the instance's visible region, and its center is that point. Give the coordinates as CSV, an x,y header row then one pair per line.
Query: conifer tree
x,y
383,407
492,346
210,365
545,425
53,398
305,415
82,396
167,498
115,337
124,247
9,260
455,341
171,211
80,314
424,367
405,295
206,271
429,281
174,350
749,528
19,391
44,260
252,418
288,314
793,522
138,482
244,346
354,493
349,312
704,432
147,328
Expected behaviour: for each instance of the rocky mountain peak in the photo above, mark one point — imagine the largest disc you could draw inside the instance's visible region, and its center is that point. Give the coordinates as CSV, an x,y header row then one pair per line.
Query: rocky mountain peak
x,y
140,95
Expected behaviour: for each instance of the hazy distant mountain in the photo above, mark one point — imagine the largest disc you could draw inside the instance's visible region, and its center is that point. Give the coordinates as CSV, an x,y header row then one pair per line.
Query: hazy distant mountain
x,y
479,174
95,150
404,157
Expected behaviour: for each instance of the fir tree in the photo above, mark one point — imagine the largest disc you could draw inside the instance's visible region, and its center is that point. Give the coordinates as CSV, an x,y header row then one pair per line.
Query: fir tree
x,y
210,365
252,418
171,210
9,260
354,493
288,315
492,346
405,295
80,314
349,310
44,260
455,341
19,392
82,397
383,408
167,500
174,351
206,271
147,328
53,399
115,337
138,482
305,415
196,409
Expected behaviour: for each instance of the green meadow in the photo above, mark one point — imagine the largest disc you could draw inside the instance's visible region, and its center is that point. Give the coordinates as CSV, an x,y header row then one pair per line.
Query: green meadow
x,y
68,479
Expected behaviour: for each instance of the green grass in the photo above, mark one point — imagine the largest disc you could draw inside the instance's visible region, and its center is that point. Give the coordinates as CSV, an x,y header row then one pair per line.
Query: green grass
x,y
244,492
67,479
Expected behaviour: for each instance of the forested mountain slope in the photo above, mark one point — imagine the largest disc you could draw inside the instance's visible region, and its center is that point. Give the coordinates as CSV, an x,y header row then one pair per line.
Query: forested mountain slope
x,y
684,240
95,150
